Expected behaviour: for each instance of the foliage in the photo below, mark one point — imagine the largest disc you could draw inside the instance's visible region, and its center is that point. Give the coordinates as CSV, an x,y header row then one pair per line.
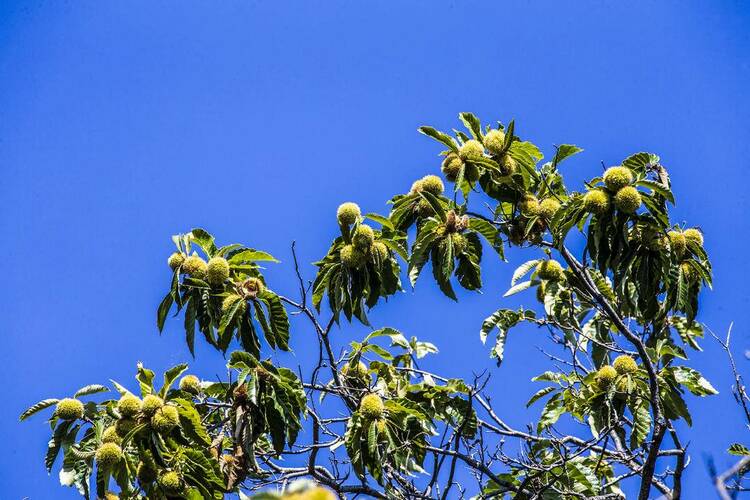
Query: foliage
x,y
622,315
257,306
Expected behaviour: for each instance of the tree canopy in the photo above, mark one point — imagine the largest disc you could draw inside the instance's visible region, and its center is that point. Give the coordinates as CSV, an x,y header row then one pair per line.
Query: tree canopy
x,y
617,283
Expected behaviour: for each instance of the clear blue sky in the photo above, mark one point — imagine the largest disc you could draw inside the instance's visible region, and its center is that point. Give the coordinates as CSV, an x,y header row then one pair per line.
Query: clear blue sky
x,y
122,123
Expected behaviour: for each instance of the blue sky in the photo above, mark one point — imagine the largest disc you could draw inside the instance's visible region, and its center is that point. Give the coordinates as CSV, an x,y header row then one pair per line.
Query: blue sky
x,y
122,123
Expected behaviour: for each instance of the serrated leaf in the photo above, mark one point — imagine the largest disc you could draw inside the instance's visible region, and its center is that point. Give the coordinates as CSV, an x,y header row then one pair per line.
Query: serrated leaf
x,y
688,332
503,320
228,319
251,255
523,270
420,253
41,405
279,319
489,232
603,285
372,438
191,422
145,378
639,161
170,376
396,336
641,424
520,287
738,449
551,413
53,447
435,203
563,152
694,381
90,389
657,188
549,376
163,310
383,221
203,239
539,394
120,388
190,317
439,136
473,124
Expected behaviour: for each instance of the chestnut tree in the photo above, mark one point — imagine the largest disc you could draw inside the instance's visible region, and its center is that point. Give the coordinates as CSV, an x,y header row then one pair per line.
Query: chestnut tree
x,y
365,420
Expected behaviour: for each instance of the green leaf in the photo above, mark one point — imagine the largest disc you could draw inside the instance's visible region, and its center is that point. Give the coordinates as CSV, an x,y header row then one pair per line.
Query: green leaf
x,y
694,381
267,330
76,473
321,283
524,285
509,135
490,322
523,270
639,161
194,494
102,481
170,376
250,255
279,319
656,210
688,332
190,421
540,394
665,348
163,310
396,336
551,413
383,221
582,476
226,325
489,232
641,424
675,406
145,378
657,188
228,250
440,137
90,389
602,284
190,317
53,447
203,239
468,272
379,351
442,267
503,320
41,405
435,203
372,438
119,387
422,349
487,163
246,333
399,247
405,406
563,152
549,376
239,359
473,124
528,155
420,251
738,449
